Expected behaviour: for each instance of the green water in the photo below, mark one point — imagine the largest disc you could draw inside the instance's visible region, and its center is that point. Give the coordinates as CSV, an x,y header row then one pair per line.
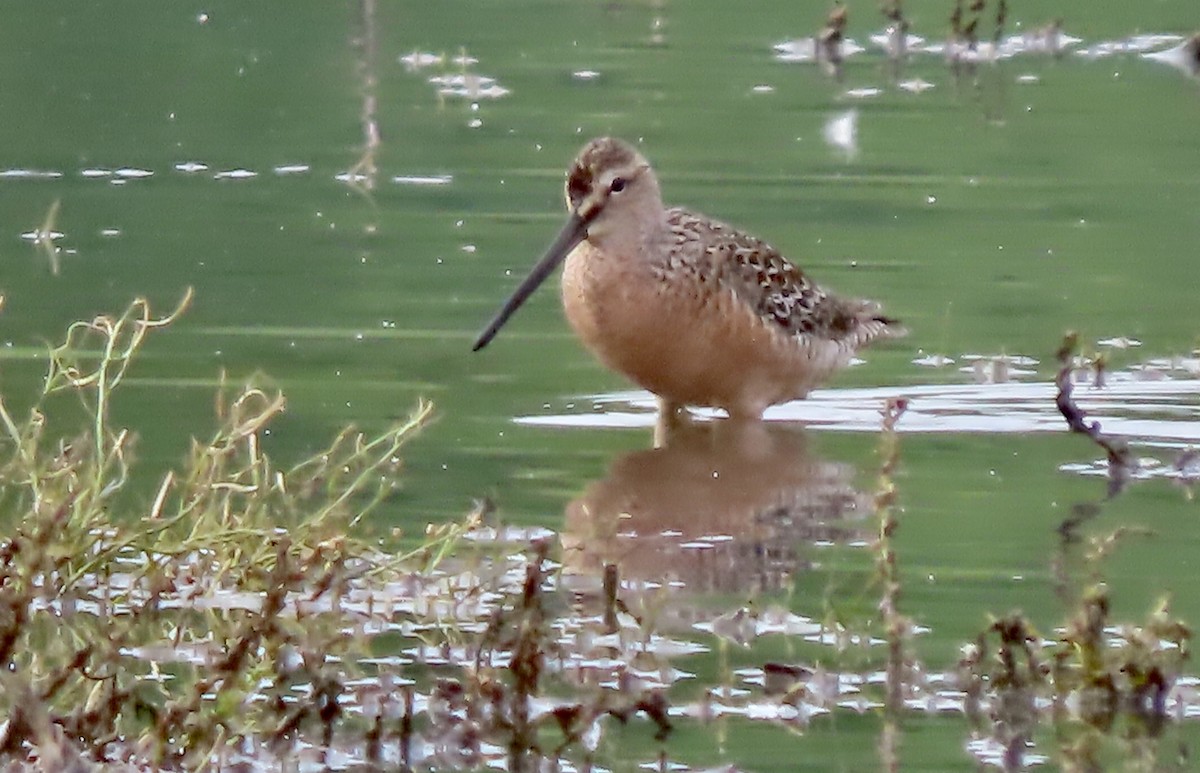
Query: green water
x,y
989,213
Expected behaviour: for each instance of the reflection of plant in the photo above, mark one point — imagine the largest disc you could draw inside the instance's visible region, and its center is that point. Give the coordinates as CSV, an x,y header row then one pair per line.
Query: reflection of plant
x,y
193,626
898,628
1128,667
1094,669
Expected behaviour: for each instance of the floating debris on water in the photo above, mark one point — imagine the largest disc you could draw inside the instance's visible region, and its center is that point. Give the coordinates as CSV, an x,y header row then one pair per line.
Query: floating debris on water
x,y
418,60
469,86
914,85
806,50
841,133
864,92
412,179
235,174
133,173
1135,44
1119,342
894,46
933,361
29,174
40,235
997,369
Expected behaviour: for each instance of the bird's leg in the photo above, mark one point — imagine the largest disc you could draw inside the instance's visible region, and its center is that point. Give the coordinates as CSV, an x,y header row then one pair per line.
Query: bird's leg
x,y
671,417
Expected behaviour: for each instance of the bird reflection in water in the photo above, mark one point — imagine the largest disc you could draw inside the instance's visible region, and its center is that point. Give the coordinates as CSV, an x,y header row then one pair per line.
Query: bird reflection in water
x,y
723,506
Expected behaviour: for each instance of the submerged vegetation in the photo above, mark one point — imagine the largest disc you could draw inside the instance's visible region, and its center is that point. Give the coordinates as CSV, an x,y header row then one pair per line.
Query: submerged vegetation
x,y
236,618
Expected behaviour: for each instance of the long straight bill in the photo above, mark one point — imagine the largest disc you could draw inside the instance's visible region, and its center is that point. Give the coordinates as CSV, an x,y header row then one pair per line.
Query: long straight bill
x,y
571,235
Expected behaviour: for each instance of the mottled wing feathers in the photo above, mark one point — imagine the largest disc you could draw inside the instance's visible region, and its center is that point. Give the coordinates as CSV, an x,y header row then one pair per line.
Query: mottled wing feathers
x,y
765,281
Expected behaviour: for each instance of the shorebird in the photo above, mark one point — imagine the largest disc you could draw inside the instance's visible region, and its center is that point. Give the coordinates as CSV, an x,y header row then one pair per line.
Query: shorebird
x,y
688,308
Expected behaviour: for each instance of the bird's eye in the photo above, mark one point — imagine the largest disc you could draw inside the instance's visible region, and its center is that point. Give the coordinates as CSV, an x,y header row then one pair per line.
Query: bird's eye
x,y
617,185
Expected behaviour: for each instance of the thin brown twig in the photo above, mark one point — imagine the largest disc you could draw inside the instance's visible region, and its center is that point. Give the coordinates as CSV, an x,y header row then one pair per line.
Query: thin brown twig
x,y
1120,460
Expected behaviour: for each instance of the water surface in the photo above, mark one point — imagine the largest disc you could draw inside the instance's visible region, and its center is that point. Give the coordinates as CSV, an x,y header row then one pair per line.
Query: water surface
x,y
352,188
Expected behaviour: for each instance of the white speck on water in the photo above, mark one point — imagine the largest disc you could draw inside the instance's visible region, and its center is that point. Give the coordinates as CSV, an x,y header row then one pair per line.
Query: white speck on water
x,y
931,199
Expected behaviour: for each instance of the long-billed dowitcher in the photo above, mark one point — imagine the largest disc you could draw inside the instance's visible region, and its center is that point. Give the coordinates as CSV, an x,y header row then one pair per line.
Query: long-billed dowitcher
x,y
685,306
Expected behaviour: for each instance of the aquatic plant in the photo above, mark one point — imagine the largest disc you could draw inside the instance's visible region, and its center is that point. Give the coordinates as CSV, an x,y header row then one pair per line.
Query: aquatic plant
x,y
172,633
